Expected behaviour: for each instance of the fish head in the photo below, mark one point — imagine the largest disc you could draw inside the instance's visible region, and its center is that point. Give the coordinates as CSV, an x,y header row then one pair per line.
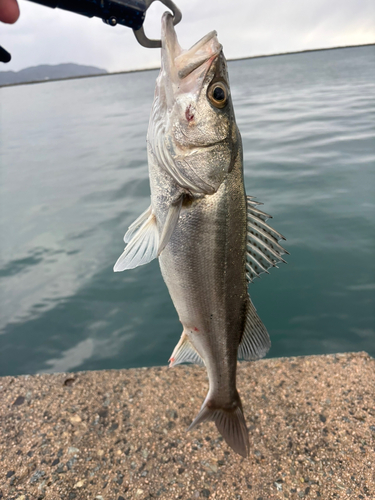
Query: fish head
x,y
194,106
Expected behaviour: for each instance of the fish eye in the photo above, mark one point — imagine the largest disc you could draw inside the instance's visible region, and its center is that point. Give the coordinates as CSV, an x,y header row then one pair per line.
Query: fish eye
x,y
218,94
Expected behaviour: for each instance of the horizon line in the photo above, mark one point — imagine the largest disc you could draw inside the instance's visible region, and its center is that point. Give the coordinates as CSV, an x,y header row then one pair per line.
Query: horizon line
x,y
158,67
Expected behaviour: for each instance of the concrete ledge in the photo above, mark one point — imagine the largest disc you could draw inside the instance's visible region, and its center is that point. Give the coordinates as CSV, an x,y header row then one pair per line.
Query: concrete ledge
x,y
116,435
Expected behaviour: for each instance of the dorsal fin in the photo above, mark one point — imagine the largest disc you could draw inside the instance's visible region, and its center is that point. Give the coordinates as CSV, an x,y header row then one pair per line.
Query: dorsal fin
x,y
262,247
255,341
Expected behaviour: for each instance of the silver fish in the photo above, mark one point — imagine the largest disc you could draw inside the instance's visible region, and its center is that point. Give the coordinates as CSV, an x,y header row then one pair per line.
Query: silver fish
x,y
211,239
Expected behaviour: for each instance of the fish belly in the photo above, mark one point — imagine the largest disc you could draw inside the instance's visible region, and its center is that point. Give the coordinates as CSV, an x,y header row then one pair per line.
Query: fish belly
x,y
203,266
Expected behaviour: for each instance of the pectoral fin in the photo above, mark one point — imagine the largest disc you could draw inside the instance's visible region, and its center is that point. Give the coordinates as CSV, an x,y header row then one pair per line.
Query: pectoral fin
x,y
143,245
255,341
170,223
133,228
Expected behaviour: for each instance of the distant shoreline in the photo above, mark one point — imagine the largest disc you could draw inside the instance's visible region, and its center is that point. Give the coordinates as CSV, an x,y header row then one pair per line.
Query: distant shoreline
x,y
158,67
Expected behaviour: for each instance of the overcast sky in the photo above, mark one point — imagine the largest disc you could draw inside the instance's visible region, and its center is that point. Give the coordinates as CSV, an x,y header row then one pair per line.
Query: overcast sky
x,y
245,28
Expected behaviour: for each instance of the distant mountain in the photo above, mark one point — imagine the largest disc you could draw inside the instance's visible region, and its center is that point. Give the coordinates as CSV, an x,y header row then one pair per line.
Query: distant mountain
x,y
48,72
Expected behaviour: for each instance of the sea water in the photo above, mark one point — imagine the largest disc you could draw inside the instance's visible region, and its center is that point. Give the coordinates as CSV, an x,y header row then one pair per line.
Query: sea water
x,y
73,176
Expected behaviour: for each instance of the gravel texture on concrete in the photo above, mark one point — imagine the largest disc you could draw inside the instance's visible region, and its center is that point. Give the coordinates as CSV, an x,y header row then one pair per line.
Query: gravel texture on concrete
x,y
115,435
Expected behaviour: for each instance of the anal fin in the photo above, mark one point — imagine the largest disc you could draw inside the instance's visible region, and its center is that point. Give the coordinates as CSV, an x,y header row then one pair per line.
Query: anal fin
x,y
184,352
255,342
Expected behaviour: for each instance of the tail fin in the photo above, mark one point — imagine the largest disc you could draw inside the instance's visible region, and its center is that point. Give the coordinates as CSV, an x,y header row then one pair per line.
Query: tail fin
x,y
230,422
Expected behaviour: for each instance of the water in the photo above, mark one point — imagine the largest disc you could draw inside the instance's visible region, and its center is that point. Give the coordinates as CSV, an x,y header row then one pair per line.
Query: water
x,y
74,176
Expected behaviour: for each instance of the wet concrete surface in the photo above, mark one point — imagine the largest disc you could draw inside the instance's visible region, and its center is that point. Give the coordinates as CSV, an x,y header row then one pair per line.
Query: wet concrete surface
x,y
121,434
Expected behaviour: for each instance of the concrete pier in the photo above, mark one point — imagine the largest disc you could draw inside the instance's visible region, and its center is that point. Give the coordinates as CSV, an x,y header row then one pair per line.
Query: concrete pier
x,y
121,434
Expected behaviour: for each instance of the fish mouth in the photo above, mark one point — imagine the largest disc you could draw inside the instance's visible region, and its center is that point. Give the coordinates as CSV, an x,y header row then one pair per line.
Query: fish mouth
x,y
180,63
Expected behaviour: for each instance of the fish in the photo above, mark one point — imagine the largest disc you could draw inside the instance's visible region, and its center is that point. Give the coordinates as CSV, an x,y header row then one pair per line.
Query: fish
x,y
211,239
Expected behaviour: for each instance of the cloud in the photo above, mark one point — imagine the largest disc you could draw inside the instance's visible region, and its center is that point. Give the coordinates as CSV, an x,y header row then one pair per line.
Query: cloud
x,y
245,28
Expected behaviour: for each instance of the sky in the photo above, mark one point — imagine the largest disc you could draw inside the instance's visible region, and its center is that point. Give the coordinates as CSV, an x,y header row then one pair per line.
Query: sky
x,y
245,28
